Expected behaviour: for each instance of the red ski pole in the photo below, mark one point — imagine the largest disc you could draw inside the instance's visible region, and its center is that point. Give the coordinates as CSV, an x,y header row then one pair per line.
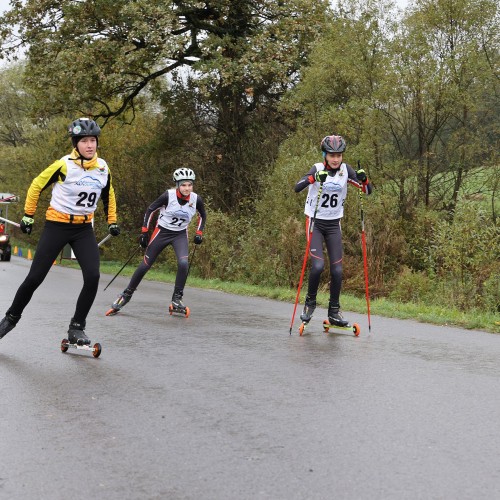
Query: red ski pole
x,y
306,255
365,259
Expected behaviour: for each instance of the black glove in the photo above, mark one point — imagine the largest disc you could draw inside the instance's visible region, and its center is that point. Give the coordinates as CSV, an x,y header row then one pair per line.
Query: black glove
x,y
144,240
198,239
144,237
114,229
321,176
361,174
27,224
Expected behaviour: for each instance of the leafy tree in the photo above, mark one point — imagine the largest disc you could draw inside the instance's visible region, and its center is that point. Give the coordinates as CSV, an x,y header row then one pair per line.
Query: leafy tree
x,y
100,56
15,103
439,92
397,93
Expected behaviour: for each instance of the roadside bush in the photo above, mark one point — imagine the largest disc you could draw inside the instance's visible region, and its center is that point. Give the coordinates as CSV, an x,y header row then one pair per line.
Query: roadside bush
x,y
414,286
219,256
490,298
465,257
385,242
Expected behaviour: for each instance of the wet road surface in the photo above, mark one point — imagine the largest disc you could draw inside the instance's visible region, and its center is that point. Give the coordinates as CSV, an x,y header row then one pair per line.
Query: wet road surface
x,y
227,405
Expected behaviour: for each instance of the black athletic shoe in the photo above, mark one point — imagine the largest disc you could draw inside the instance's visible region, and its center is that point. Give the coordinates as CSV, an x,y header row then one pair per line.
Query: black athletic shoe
x,y
122,299
8,323
334,316
177,301
76,335
309,307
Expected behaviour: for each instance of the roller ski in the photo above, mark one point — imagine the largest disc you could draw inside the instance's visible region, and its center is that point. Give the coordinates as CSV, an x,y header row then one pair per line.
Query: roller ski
x,y
120,302
176,306
305,317
78,340
335,321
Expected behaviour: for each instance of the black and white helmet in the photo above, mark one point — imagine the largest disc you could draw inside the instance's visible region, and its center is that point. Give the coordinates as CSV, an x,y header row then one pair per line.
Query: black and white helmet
x,y
83,127
183,174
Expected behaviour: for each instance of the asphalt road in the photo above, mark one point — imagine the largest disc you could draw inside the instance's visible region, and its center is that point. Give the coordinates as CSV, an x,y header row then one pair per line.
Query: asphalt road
x,y
226,404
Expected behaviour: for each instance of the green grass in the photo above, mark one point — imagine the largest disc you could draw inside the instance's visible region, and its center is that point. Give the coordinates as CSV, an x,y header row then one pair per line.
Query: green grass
x,y
473,319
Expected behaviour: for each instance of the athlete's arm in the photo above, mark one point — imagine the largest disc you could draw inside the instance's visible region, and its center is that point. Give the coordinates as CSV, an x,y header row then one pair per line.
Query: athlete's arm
x,y
366,187
161,201
306,180
109,200
202,215
53,173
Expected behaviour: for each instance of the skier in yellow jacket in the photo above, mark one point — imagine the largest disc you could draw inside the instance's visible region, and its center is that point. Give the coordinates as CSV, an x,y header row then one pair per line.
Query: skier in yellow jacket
x,y
78,181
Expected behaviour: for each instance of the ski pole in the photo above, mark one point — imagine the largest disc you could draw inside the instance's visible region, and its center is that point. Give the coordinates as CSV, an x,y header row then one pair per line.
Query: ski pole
x,y
365,259
129,259
104,240
10,222
191,260
306,255
19,225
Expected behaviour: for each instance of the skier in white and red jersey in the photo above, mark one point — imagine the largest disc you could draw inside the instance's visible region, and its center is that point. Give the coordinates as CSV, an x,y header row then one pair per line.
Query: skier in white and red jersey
x,y
177,207
333,175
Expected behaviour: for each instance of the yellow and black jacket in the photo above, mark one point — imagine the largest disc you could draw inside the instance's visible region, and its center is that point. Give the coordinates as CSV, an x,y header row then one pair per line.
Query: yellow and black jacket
x,y
77,186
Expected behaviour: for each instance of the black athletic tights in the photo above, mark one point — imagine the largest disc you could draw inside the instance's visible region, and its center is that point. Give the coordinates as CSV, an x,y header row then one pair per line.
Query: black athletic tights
x,y
160,238
327,231
54,237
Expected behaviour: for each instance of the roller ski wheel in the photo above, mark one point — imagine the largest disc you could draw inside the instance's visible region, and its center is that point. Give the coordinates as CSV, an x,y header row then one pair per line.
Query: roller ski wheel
x,y
302,327
185,311
354,328
95,349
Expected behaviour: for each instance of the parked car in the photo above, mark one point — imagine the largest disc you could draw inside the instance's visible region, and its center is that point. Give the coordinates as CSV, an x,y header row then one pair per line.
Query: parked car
x,y
5,247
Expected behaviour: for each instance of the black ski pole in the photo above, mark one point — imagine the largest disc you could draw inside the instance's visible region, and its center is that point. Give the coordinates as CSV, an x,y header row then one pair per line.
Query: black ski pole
x,y
129,259
191,260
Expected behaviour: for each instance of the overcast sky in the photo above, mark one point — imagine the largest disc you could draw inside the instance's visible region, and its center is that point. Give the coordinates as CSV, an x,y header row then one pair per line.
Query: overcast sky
x,y
4,4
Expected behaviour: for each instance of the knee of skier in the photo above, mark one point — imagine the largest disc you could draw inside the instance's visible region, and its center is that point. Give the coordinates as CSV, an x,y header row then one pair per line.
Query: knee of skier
x,y
91,277
146,263
317,265
183,265
336,271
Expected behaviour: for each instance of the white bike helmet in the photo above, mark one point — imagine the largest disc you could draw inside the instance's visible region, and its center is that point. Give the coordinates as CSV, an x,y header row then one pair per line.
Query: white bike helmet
x,y
184,174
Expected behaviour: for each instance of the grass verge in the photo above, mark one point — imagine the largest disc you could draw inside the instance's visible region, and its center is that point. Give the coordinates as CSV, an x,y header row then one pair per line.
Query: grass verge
x,y
437,315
